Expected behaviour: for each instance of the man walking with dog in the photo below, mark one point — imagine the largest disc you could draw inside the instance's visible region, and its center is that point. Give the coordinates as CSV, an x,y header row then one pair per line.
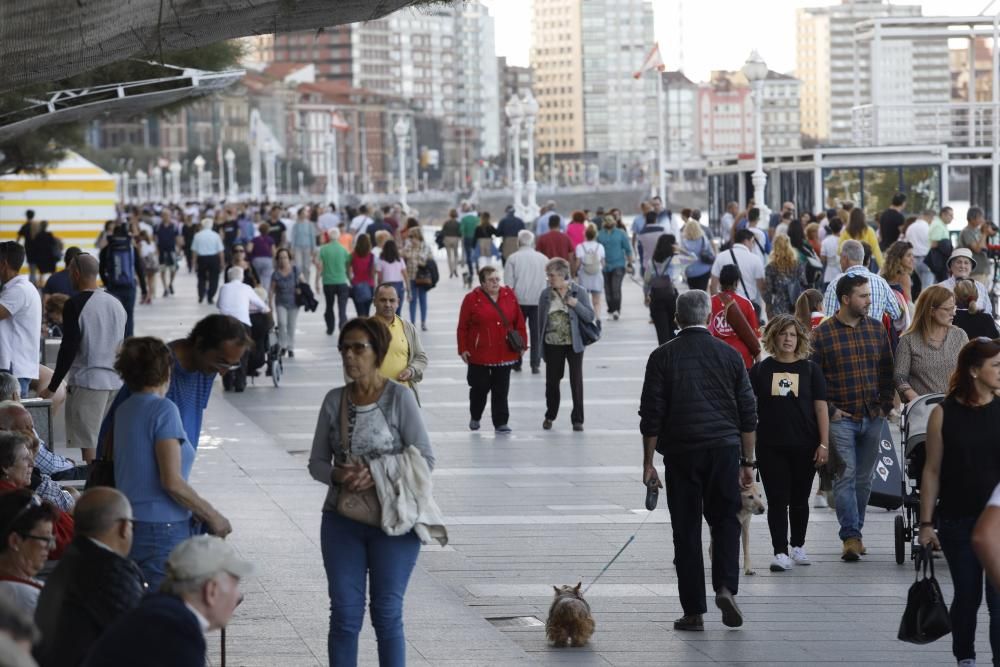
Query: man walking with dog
x,y
699,412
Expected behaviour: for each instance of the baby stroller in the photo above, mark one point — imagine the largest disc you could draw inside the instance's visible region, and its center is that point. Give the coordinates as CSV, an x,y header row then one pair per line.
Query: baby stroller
x,y
266,352
913,424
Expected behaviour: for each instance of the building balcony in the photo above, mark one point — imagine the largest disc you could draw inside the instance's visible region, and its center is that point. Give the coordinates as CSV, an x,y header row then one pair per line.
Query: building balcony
x,y
953,124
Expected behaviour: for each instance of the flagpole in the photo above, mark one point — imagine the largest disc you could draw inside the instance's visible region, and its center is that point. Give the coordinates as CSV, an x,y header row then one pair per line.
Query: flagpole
x,y
661,136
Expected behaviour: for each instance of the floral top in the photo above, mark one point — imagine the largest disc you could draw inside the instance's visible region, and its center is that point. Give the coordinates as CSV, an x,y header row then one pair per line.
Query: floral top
x,y
416,254
557,331
777,293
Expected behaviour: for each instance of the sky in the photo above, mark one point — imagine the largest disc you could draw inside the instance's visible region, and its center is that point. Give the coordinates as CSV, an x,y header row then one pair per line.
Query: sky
x,y
768,26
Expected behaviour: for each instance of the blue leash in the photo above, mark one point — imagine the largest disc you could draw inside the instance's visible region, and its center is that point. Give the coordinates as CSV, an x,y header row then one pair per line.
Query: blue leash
x,y
624,547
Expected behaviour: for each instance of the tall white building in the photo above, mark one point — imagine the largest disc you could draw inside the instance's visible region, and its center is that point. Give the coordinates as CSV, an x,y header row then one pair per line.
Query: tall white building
x,y
681,102
477,84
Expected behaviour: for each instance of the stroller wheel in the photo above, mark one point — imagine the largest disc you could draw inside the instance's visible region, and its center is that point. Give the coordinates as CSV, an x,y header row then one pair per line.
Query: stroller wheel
x,y
900,539
276,368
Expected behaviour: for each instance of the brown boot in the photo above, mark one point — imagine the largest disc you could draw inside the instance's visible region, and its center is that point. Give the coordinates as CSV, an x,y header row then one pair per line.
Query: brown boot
x,y
852,550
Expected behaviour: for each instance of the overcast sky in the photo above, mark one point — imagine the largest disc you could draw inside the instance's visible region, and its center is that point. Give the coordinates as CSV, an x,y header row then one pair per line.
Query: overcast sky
x,y
709,43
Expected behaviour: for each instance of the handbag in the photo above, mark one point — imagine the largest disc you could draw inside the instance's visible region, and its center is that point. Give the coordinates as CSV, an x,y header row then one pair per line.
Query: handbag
x,y
361,506
423,277
102,470
590,332
705,254
925,618
514,340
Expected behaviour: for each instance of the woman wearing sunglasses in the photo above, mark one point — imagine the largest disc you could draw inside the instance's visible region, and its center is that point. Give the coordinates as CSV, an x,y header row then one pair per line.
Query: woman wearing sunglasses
x,y
27,538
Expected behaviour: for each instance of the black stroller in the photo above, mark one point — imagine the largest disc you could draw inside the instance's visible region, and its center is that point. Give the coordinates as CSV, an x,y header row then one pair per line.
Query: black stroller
x,y
913,423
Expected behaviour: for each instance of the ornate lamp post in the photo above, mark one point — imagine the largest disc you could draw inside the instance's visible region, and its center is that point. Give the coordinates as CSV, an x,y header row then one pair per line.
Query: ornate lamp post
x,y
126,199
230,156
515,113
270,170
199,167
755,70
332,177
158,184
141,181
401,129
175,180
529,105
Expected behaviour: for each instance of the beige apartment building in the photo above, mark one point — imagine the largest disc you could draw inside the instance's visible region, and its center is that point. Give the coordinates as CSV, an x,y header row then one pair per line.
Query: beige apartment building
x,y
557,59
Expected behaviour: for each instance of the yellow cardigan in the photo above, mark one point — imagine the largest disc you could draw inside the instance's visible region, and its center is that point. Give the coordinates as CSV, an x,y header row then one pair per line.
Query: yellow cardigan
x,y
868,238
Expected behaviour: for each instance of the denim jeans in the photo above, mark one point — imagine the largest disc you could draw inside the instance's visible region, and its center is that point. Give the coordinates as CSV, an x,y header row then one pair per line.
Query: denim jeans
x,y
613,288
857,445
418,295
152,543
967,576
469,251
340,293
354,554
24,385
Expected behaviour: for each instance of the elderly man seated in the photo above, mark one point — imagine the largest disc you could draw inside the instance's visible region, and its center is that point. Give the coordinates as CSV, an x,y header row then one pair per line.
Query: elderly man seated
x,y
200,593
239,300
94,584
15,417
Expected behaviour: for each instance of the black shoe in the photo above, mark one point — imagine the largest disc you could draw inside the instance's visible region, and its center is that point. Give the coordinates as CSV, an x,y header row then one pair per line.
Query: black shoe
x,y
517,368
535,370
329,331
201,299
210,301
291,354
692,623
577,427
473,424
171,289
732,617
547,424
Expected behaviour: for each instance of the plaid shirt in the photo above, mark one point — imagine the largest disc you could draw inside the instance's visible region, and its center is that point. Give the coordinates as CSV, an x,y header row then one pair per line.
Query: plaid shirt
x,y
55,494
883,300
857,364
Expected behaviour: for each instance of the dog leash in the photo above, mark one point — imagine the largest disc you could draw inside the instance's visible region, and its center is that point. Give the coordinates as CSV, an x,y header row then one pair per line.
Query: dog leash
x,y
624,546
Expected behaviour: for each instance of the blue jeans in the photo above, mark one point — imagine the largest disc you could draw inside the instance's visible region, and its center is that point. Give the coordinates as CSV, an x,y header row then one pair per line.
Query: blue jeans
x,y
25,386
857,445
152,543
470,252
967,576
353,554
418,294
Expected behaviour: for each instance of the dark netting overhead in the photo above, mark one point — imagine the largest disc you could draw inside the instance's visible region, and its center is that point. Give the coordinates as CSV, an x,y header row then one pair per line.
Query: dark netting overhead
x,y
46,40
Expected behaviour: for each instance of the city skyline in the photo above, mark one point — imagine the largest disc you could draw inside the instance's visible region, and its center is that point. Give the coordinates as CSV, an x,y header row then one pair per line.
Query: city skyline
x,y
708,45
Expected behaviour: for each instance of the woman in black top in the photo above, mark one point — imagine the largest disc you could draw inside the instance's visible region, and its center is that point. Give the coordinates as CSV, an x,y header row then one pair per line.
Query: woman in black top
x,y
960,473
968,317
792,427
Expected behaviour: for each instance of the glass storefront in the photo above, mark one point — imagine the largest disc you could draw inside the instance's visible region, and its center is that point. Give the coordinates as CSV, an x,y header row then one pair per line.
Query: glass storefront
x,y
841,185
872,188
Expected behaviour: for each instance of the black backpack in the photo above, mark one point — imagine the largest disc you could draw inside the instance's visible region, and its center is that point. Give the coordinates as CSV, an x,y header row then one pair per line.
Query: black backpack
x,y
661,287
122,262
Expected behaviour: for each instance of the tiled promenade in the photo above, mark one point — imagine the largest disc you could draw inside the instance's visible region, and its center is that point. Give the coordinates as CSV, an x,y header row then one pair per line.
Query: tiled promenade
x,y
525,511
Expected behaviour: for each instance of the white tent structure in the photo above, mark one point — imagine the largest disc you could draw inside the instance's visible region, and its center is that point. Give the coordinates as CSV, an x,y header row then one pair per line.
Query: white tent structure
x,y
76,197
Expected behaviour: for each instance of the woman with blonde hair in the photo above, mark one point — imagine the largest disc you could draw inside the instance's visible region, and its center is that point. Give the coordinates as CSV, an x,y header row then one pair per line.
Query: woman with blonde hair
x,y
785,278
694,241
968,316
858,229
898,267
928,351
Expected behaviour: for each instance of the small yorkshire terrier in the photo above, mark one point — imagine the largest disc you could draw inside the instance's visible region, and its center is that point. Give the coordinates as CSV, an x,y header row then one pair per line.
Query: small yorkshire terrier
x,y
569,622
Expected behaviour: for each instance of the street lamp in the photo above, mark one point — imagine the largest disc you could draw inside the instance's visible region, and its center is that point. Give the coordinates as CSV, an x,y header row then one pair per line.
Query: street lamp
x,y
401,129
270,170
175,180
158,184
199,166
230,156
755,70
515,112
529,106
141,181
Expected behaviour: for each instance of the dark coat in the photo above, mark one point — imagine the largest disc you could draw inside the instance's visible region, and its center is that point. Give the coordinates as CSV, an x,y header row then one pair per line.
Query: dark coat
x,y
696,394
87,592
160,632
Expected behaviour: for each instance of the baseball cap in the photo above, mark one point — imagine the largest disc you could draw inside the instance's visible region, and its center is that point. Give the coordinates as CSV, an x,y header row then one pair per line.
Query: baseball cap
x,y
962,252
204,556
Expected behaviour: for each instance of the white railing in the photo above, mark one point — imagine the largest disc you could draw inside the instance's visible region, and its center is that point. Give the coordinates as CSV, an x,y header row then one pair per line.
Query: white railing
x,y
954,124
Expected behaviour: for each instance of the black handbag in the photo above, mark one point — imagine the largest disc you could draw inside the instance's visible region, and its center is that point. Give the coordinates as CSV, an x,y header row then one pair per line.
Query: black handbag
x,y
102,470
514,340
926,617
590,332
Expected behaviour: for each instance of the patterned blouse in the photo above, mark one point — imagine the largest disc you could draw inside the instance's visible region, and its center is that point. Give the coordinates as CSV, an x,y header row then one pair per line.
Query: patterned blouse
x,y
557,329
416,254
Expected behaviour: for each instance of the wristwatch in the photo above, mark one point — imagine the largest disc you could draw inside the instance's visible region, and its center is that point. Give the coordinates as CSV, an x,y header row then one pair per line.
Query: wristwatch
x,y
747,463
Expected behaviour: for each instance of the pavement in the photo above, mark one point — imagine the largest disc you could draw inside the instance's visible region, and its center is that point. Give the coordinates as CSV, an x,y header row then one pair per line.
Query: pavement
x,y
525,511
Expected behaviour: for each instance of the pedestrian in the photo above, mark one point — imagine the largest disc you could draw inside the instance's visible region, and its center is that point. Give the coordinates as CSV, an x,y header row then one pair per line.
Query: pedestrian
x,y
188,231
734,320
351,453
362,275
508,229
853,351
975,237
650,235
697,244
961,471
153,458
792,430
304,234
857,229
281,297
333,264
809,309
525,274
562,307
451,235
961,264
261,253
918,236
897,270
890,223
93,329
617,256
483,235
20,318
328,220
28,539
468,224
120,269
697,410
487,317
207,251
240,301
391,269
168,244
59,282
150,256
750,269
554,243
658,288
359,223
576,228
418,256
590,261
852,263
927,352
405,360
968,316
830,252
784,278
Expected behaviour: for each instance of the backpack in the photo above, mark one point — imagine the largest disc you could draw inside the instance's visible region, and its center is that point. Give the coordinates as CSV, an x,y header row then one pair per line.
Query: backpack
x,y
122,262
661,287
795,289
591,262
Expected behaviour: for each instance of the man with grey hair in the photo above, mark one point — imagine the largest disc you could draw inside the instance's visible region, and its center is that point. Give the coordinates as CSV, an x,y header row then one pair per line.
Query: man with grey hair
x,y
699,412
94,583
542,221
199,594
852,257
525,274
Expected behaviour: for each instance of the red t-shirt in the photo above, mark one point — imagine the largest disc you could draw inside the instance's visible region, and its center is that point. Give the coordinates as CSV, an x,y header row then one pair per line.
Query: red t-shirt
x,y
555,244
719,327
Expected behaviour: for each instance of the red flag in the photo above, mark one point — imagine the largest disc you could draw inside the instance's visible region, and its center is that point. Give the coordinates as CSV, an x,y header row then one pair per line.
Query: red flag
x,y
653,61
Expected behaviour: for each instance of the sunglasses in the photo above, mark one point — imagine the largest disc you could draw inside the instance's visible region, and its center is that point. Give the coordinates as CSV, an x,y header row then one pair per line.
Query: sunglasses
x,y
355,348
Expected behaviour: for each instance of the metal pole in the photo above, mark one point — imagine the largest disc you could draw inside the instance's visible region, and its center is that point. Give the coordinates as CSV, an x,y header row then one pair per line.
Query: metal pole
x,y
759,178
995,117
662,138
969,118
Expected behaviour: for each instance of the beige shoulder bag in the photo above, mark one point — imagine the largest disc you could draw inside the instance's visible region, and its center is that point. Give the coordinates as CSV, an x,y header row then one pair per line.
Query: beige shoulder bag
x,y
360,506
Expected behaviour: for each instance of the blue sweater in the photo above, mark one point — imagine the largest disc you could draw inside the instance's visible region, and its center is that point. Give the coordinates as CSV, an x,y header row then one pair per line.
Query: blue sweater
x,y
160,632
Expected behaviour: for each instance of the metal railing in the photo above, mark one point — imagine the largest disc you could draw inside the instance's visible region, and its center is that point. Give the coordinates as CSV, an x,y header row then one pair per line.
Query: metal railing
x,y
959,124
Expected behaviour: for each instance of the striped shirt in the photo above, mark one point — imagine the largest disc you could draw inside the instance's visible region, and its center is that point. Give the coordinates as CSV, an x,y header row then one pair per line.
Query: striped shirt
x,y
857,364
883,300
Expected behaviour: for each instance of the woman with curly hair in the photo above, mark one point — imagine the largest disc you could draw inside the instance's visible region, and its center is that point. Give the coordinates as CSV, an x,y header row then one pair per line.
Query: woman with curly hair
x,y
784,276
898,266
858,229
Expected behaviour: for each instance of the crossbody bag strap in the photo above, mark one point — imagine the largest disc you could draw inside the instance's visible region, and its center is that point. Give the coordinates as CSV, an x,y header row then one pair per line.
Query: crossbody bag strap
x,y
503,318
743,284
345,439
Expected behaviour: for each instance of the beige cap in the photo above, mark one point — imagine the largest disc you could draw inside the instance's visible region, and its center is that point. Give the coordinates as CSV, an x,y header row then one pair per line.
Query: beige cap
x,y
204,556
962,252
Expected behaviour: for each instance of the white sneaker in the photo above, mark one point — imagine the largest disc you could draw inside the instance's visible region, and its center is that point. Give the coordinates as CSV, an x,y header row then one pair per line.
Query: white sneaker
x,y
820,501
968,662
781,563
800,556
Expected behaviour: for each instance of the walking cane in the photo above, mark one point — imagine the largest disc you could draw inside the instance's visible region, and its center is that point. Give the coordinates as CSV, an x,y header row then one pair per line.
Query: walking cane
x,y
223,633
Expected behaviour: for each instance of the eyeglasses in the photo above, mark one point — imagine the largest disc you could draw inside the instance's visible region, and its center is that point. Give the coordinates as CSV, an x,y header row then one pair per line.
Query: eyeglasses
x,y
947,310
355,348
50,542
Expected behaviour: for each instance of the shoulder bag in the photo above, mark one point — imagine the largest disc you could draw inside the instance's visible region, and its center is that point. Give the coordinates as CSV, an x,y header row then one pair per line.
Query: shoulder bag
x,y
590,332
360,506
514,340
925,618
102,470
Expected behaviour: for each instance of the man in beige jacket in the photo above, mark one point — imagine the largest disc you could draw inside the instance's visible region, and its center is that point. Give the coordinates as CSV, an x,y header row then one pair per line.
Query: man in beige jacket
x,y
406,360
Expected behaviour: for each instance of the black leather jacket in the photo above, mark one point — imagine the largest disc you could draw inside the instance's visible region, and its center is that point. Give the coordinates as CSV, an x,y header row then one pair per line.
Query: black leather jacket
x,y
696,394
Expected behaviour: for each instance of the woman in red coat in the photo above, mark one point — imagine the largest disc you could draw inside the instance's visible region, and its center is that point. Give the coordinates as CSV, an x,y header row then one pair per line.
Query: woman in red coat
x,y
482,344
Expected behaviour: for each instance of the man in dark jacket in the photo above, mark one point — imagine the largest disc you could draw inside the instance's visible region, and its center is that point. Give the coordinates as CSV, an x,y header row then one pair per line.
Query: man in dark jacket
x,y
508,229
698,410
93,584
167,629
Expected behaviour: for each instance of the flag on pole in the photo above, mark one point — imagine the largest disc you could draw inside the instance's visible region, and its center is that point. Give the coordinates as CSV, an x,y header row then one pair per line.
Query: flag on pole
x,y
337,122
653,61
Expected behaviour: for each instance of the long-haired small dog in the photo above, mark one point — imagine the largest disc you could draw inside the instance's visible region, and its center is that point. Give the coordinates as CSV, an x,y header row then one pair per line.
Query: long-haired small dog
x,y
569,622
